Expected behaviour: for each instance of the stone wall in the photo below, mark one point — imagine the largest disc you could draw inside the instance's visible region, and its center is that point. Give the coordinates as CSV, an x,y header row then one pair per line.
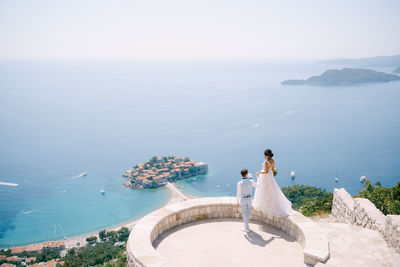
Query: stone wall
x,y
391,232
367,215
361,211
343,206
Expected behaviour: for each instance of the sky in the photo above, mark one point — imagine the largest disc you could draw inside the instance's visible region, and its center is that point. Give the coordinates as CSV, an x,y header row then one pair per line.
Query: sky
x,y
198,30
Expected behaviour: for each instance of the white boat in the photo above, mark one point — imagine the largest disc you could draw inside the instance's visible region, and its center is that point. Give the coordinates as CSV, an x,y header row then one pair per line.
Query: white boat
x,y
102,192
292,174
336,179
8,184
363,178
83,174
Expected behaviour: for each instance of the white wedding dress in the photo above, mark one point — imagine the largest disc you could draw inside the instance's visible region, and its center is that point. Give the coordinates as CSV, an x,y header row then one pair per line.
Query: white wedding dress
x,y
269,198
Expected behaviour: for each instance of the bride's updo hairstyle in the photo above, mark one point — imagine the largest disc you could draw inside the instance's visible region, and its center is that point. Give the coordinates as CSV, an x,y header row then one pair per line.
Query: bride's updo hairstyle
x,y
268,153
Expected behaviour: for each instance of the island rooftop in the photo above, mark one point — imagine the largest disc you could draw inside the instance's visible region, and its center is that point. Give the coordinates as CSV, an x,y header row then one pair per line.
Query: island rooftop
x,y
160,170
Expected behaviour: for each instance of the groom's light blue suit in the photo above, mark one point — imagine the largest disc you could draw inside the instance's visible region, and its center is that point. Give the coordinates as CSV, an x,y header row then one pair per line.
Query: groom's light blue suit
x,y
244,194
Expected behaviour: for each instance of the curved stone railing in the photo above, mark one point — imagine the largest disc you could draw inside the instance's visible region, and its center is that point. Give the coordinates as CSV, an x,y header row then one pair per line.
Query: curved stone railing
x,y
140,251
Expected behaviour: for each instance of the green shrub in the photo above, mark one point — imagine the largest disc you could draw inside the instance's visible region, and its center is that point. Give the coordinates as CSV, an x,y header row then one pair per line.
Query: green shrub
x,y
91,239
309,200
386,199
103,253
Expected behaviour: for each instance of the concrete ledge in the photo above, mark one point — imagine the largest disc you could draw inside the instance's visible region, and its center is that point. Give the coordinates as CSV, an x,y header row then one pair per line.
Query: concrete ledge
x,y
140,251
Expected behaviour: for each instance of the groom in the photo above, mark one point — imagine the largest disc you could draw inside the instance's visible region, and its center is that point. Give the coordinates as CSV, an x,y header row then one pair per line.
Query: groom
x,y
244,193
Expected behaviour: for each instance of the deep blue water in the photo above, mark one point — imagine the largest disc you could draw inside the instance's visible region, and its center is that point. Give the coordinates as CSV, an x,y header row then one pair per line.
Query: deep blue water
x,y
58,119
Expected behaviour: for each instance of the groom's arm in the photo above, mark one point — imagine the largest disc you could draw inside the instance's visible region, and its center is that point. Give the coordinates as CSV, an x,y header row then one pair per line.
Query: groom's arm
x,y
253,183
238,193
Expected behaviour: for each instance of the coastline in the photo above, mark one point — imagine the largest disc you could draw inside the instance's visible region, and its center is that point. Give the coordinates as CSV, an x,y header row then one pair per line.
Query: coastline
x,y
175,196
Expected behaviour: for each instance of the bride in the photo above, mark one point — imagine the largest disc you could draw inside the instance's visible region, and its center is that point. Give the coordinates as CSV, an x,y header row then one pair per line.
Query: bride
x,y
268,197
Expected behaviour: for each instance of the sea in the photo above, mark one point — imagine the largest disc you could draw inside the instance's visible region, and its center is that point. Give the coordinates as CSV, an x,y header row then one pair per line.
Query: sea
x,y
59,119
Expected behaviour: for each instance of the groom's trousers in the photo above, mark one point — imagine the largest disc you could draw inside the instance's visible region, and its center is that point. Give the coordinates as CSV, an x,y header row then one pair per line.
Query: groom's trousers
x,y
245,204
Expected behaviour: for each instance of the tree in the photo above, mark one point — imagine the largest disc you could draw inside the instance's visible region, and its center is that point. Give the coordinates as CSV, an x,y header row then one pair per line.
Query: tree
x,y
104,253
91,239
123,234
309,200
386,199
153,159
102,234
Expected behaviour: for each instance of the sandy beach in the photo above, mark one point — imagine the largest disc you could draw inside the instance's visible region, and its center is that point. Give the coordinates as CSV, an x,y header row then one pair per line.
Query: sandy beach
x,y
175,196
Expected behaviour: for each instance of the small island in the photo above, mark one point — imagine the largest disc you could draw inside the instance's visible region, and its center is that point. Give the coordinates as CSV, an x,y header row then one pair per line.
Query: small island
x,y
368,62
346,76
160,170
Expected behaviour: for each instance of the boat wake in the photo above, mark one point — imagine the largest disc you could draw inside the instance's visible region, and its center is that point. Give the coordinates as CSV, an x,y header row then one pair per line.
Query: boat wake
x,y
29,212
78,176
8,184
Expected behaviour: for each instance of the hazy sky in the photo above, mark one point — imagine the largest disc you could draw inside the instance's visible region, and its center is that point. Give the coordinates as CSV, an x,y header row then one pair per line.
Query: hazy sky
x,y
189,29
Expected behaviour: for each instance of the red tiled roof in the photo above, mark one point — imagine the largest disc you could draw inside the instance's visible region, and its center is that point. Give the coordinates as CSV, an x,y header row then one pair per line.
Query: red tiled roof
x,y
13,258
18,250
51,263
34,247
53,244
30,259
60,243
47,243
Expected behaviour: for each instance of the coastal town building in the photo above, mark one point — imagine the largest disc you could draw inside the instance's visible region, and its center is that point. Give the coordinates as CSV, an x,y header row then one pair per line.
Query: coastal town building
x,y
30,259
34,248
47,246
53,246
18,250
13,258
51,263
7,265
160,170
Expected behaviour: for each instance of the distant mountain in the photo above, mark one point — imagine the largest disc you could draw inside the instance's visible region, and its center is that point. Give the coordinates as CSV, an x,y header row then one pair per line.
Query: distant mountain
x,y
381,61
345,76
397,70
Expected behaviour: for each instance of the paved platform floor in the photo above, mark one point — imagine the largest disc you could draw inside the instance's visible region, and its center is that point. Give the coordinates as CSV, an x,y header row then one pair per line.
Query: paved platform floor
x,y
352,246
220,243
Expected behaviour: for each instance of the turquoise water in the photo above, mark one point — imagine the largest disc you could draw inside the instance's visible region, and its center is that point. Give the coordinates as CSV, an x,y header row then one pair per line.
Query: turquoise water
x,y
59,119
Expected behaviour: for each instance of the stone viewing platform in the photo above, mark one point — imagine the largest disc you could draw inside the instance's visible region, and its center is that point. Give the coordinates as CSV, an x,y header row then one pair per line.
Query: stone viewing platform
x,y
220,242
206,232
211,221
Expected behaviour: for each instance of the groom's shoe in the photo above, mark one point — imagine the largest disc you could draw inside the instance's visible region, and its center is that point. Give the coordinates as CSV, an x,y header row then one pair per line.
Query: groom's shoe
x,y
245,230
